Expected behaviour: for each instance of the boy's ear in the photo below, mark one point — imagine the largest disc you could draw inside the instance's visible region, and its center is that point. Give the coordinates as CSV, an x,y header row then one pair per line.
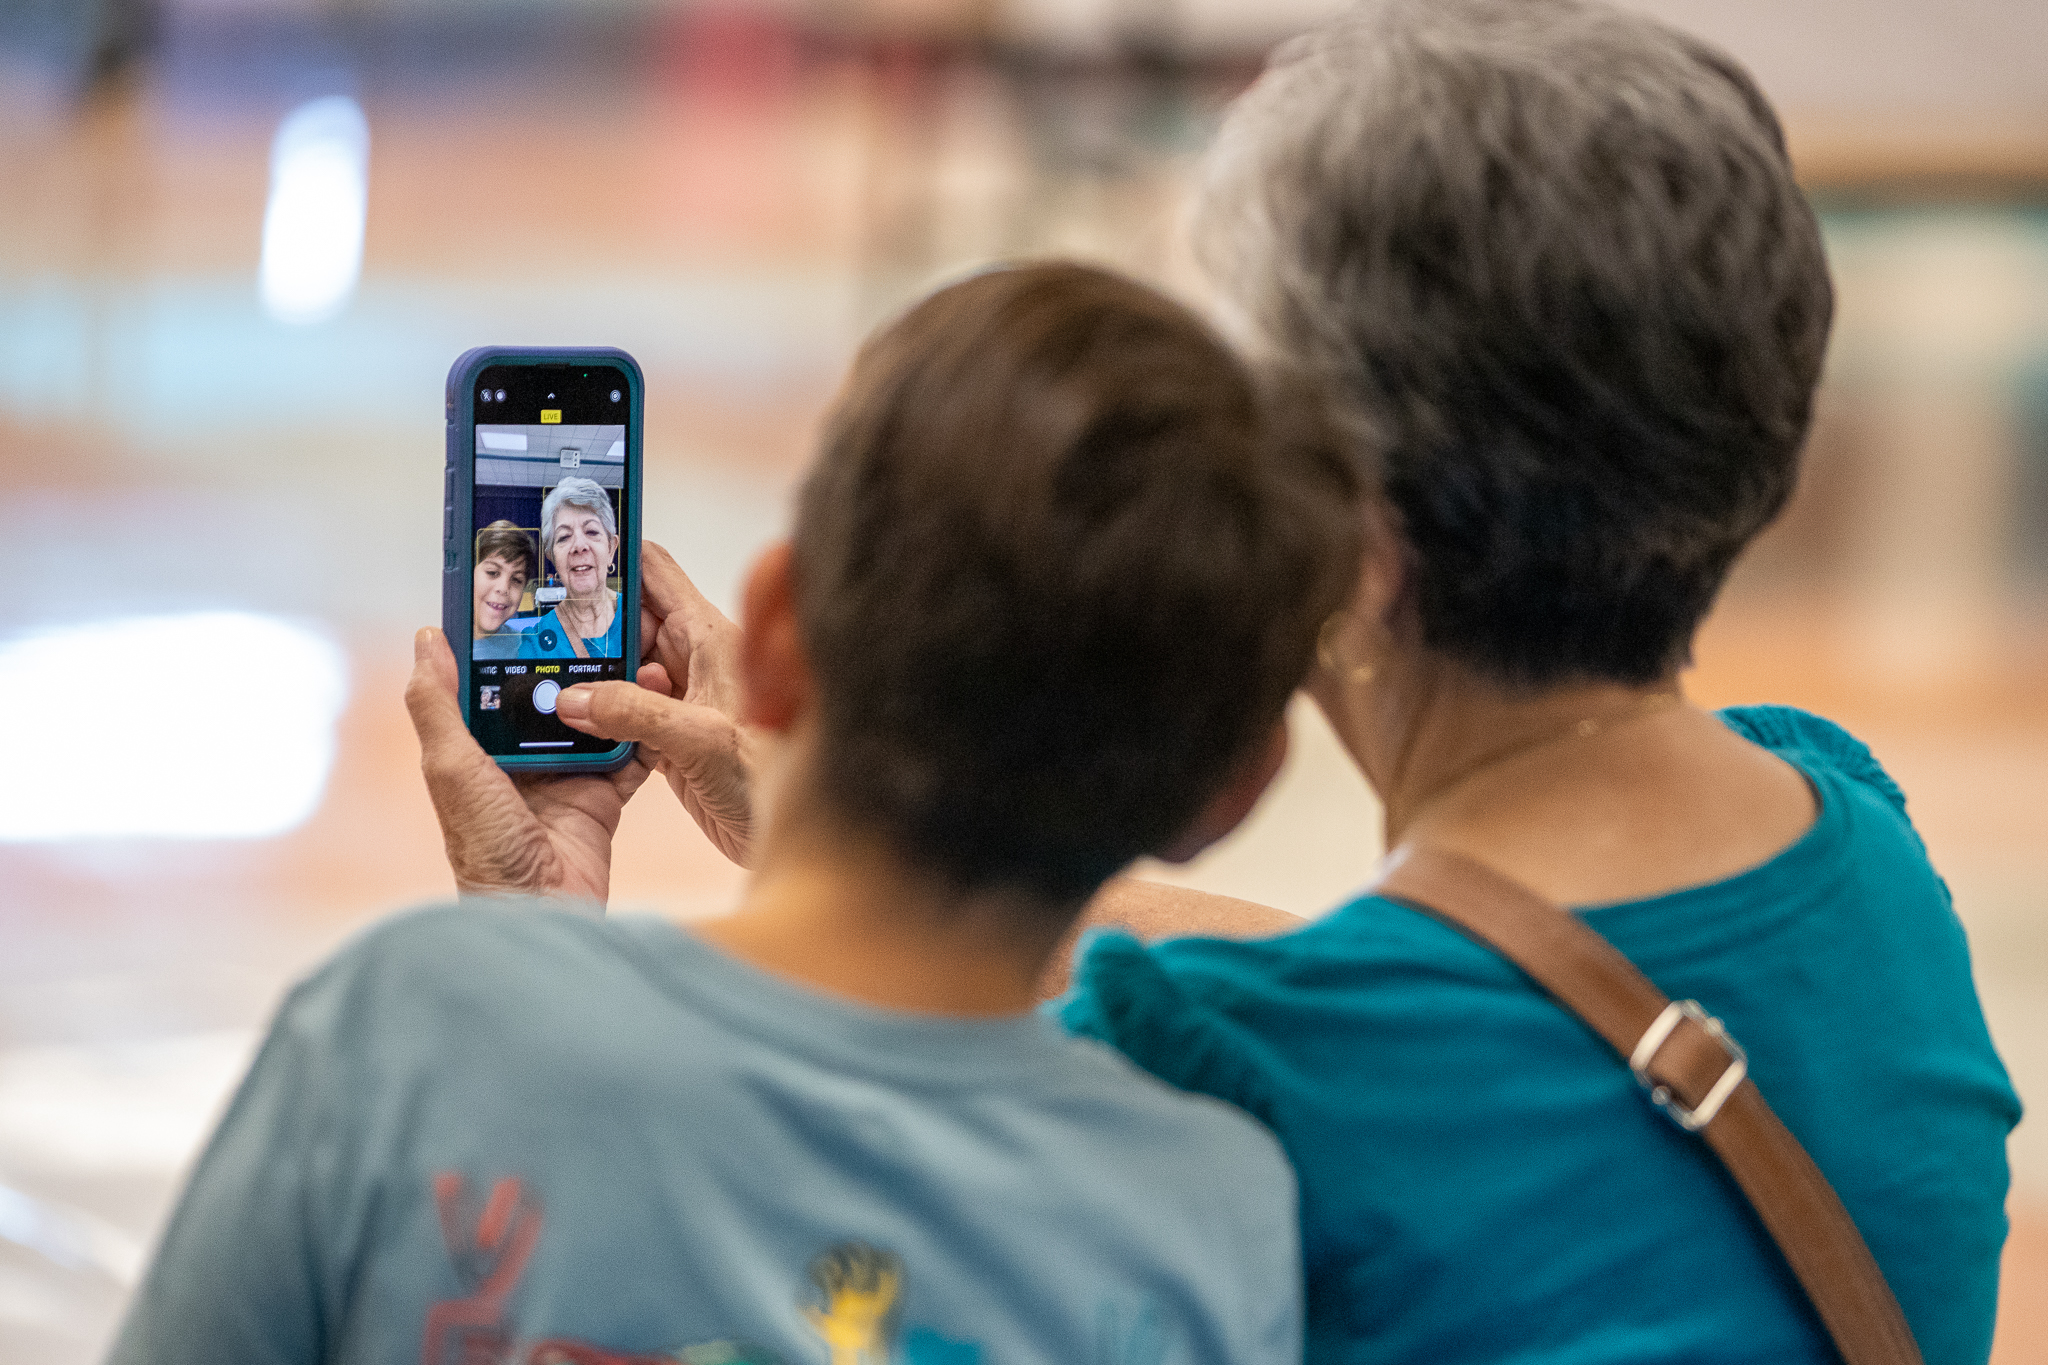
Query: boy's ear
x,y
775,677
1227,809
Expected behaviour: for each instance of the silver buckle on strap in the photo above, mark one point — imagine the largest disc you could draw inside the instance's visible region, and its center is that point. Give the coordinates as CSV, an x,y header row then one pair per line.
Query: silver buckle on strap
x,y
1654,1037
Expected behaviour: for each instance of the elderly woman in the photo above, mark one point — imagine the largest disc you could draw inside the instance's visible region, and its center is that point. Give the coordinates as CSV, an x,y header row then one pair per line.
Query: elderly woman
x,y
504,565
579,533
1550,265
1548,262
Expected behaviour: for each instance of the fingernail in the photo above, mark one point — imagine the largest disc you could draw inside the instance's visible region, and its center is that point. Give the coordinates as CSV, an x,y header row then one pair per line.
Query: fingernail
x,y
574,704
421,638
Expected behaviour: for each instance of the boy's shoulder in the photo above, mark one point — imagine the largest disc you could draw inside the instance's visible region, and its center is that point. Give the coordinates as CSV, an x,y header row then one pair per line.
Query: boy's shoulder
x,y
463,952
552,971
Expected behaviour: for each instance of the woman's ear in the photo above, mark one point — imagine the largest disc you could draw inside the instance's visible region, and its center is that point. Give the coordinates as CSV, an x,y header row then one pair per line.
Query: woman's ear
x,y
775,677
1382,569
1358,641
1228,808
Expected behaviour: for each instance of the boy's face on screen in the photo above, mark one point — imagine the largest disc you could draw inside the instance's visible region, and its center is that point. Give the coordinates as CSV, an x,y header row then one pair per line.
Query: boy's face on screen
x,y
499,584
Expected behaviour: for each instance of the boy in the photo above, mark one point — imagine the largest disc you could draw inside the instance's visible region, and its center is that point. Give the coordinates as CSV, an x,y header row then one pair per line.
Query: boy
x,y
1052,581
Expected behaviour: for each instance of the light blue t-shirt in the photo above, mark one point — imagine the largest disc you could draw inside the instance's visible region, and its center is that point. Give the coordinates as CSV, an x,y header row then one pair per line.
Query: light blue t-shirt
x,y
1483,1180
500,644
491,1134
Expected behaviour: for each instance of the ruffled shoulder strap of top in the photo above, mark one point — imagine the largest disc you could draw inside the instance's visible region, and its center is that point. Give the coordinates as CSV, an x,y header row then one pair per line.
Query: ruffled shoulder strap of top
x,y
1783,729
1125,996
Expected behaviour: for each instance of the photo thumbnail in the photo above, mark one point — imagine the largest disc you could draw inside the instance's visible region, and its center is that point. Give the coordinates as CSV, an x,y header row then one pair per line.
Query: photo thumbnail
x,y
549,505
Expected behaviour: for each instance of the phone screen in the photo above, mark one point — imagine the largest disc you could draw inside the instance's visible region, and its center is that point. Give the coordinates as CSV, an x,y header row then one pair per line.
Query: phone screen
x,y
549,520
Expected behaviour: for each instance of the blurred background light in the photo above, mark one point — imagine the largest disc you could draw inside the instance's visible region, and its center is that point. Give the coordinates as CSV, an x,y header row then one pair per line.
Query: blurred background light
x,y
209,725
68,1237
313,224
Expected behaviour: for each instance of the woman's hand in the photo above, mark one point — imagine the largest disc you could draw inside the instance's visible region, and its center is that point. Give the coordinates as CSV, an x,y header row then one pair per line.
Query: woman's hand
x,y
538,836
684,712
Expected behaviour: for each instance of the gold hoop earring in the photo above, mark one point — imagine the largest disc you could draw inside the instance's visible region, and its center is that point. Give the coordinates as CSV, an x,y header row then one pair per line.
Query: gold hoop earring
x,y
1326,653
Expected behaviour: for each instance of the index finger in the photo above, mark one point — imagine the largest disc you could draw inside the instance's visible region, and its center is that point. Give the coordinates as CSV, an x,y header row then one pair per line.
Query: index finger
x,y
430,693
667,591
493,838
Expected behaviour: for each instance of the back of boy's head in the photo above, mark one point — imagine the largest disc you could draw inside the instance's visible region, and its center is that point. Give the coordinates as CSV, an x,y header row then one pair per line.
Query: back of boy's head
x,y
1058,569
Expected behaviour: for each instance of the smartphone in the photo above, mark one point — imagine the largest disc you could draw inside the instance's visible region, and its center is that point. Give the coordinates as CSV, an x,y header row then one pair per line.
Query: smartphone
x,y
540,546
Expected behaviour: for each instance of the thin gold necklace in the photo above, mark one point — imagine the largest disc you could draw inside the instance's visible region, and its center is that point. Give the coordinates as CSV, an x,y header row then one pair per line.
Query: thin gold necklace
x,y
1584,728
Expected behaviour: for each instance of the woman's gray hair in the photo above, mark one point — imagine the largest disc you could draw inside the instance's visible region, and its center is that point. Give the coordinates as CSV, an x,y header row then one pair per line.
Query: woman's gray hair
x,y
1547,263
575,491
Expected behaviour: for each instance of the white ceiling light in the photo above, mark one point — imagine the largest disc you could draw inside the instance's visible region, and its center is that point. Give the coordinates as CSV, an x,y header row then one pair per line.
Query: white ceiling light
x,y
313,226
213,725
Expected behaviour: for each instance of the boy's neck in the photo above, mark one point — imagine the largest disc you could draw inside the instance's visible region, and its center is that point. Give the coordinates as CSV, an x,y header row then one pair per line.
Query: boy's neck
x,y
852,920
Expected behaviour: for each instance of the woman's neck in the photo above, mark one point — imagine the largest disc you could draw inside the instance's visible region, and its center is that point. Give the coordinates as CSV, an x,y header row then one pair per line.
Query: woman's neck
x,y
589,617
1586,794
1457,735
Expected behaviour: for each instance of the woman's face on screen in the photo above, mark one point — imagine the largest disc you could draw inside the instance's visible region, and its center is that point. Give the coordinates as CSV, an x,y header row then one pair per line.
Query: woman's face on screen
x,y
581,550
499,584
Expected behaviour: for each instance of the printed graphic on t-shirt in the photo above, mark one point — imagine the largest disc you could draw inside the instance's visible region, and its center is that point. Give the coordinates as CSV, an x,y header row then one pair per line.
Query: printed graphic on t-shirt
x,y
852,1300
490,1247
858,1318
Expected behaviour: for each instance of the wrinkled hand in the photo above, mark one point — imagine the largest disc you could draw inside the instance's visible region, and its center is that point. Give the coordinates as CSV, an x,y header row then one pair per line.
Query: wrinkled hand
x,y
544,835
684,711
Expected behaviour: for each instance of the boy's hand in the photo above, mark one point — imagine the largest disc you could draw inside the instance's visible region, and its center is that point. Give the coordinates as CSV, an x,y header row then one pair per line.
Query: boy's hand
x,y
540,836
684,712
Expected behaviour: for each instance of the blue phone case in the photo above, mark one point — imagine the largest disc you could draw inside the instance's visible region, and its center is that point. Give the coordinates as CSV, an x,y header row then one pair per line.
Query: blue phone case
x,y
458,544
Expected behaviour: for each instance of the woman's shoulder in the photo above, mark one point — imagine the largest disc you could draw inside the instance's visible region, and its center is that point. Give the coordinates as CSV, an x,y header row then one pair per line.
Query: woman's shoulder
x,y
1192,1010
1122,995
1795,734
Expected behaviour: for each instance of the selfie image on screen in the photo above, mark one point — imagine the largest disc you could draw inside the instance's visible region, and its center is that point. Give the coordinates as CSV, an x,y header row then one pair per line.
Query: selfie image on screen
x,y
547,542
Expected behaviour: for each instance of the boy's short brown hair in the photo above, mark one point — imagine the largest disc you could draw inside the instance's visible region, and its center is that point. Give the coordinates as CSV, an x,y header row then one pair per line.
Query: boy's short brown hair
x,y
1058,570
504,540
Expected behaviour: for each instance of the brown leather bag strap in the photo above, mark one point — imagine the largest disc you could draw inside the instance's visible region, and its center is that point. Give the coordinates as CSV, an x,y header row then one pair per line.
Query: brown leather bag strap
x,y
1692,1068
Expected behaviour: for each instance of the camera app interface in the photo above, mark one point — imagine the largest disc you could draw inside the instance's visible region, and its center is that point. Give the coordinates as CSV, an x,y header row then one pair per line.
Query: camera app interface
x,y
547,608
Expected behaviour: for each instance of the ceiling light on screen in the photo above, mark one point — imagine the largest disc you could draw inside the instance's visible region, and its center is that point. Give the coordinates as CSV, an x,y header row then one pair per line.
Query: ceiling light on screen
x,y
211,725
313,225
